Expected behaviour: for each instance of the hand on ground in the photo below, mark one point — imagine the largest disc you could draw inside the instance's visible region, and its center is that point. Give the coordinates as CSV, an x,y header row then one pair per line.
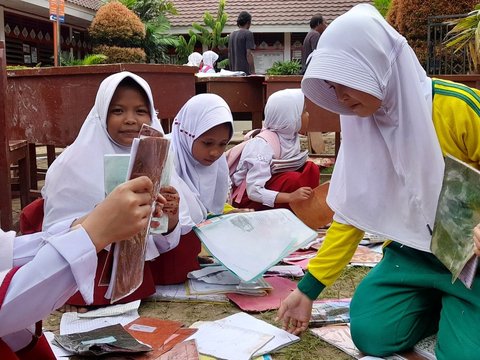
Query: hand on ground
x,y
295,312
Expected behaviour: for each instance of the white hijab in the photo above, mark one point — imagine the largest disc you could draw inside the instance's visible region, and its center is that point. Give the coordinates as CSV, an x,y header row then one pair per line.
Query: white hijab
x,y
389,171
209,58
206,186
194,59
283,115
75,182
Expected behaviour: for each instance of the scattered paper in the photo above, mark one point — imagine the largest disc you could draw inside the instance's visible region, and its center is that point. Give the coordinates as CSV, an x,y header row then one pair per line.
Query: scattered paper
x,y
281,338
228,342
112,310
281,289
178,292
330,311
72,323
285,270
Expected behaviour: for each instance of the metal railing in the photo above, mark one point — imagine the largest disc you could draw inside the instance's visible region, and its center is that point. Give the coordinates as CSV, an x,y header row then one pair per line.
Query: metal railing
x,y
442,60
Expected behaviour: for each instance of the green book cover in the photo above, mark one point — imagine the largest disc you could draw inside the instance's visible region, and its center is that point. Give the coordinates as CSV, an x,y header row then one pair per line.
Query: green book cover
x,y
458,212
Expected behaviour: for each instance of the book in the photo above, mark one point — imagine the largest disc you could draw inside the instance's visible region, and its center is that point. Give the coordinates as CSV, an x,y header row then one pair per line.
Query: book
x,y
330,311
292,164
458,212
101,341
314,212
250,243
148,157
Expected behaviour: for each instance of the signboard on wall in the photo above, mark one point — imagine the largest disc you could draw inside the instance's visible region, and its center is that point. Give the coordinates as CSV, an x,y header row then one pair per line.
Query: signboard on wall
x,y
264,59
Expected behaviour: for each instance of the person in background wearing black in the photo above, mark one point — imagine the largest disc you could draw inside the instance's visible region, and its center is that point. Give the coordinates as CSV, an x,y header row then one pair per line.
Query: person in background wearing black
x,y
317,26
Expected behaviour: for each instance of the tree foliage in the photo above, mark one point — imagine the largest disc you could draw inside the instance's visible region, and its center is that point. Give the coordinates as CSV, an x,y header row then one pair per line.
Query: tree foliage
x,y
382,6
118,33
185,48
153,15
115,24
210,32
466,35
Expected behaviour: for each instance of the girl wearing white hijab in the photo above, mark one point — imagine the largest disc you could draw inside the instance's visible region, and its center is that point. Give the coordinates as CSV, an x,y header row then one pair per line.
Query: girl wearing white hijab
x,y
194,59
209,59
74,184
387,181
286,117
201,131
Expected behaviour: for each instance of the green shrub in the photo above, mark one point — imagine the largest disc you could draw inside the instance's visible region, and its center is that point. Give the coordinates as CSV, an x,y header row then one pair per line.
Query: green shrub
x,y
116,54
87,60
290,67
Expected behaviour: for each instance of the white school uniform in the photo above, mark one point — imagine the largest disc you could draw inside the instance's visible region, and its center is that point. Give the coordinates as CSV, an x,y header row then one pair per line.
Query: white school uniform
x,y
205,187
75,181
51,271
283,115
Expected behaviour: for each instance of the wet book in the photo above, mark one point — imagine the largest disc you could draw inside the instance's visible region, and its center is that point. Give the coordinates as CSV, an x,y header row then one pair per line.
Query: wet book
x,y
101,341
148,157
458,212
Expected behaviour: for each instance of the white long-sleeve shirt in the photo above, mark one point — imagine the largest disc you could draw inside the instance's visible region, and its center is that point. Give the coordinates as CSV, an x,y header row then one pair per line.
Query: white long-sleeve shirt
x,y
53,268
254,165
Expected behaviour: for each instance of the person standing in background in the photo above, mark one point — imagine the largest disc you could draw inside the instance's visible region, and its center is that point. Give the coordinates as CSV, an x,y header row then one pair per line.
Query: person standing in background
x,y
317,26
241,44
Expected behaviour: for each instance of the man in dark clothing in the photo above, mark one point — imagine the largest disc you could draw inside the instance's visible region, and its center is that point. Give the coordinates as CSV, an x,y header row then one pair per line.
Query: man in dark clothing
x,y
241,44
317,26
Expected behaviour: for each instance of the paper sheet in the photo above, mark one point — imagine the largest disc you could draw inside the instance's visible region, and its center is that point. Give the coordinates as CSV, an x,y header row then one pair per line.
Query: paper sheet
x,y
222,341
281,338
71,323
112,310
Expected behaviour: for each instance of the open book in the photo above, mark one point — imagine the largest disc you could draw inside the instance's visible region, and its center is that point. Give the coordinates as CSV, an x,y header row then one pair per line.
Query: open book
x,y
148,157
458,212
248,244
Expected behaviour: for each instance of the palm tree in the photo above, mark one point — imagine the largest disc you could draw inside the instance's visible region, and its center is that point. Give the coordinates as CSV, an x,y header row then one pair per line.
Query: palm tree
x,y
465,35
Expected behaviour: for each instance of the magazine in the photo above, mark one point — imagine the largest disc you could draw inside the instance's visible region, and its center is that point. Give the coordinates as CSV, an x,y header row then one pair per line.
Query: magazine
x,y
458,212
248,244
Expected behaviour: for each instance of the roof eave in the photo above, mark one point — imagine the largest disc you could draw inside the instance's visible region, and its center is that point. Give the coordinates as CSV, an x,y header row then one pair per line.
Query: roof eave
x,y
178,30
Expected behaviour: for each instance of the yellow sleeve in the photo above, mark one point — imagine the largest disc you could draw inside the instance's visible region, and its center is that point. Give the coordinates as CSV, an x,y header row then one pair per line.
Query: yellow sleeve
x,y
227,208
456,117
337,250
